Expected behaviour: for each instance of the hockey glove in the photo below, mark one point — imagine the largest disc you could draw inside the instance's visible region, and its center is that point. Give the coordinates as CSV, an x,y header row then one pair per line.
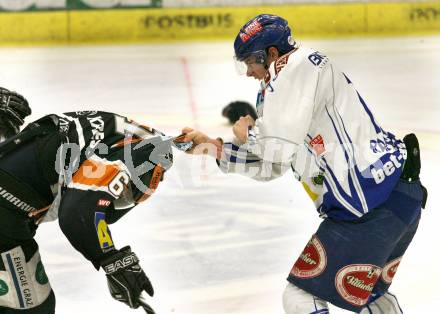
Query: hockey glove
x,y
126,280
14,108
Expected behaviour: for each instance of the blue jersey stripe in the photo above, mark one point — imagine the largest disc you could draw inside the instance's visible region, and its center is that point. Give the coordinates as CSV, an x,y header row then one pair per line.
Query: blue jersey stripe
x,y
234,154
346,77
354,199
15,280
337,134
323,311
338,192
237,160
367,110
353,169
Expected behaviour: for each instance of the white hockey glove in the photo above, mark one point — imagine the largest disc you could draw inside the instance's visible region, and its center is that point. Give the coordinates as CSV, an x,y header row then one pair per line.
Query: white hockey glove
x,y
126,280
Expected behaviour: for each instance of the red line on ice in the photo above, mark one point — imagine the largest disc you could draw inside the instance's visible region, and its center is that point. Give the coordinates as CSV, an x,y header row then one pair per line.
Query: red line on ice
x,y
189,87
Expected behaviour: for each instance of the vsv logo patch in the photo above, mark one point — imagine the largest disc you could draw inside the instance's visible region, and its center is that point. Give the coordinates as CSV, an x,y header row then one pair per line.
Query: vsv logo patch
x,y
318,59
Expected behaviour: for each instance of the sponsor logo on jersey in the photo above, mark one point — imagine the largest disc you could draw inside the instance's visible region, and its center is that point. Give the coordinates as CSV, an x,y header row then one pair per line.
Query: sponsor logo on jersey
x,y
390,270
15,264
250,30
317,144
97,124
63,125
40,274
103,203
388,168
312,261
103,232
15,200
85,113
355,283
4,289
387,144
318,179
318,59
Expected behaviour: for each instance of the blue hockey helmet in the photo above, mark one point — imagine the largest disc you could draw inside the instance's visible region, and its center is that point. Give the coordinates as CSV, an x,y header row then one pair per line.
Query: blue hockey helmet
x,y
259,34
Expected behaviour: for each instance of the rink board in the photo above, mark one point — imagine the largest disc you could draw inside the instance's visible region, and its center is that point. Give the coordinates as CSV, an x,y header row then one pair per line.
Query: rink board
x,y
204,24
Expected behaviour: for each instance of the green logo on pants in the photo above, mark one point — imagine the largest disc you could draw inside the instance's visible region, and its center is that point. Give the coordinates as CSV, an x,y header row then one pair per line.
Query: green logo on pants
x,y
3,288
40,274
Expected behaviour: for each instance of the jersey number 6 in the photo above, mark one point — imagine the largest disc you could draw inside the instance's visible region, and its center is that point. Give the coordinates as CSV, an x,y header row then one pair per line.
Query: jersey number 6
x,y
118,183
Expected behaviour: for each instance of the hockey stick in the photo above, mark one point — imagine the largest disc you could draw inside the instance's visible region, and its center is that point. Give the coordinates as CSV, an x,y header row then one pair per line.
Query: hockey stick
x,y
148,309
180,144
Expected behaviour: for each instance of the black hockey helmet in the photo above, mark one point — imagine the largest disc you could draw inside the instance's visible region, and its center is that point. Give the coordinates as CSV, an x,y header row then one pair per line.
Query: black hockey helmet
x,y
14,108
146,159
236,109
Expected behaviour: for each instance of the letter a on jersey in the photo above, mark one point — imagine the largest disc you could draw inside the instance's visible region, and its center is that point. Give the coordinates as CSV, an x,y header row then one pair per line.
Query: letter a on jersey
x,y
104,235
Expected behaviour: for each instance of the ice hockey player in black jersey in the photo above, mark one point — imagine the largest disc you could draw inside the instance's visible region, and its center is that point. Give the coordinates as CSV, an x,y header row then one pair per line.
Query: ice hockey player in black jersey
x,y
87,169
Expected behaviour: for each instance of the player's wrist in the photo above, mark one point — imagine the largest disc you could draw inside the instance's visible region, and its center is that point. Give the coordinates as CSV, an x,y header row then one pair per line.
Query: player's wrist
x,y
218,143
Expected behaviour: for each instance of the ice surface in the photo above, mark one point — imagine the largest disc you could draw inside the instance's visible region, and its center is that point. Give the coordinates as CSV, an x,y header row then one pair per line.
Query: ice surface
x,y
212,243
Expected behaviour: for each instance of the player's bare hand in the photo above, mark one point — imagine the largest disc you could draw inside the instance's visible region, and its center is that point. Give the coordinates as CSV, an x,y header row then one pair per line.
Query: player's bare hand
x,y
195,136
241,127
186,130
203,144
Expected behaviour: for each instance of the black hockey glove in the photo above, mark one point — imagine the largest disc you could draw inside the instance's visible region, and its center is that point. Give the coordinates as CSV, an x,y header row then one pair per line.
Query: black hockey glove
x,y
126,280
14,108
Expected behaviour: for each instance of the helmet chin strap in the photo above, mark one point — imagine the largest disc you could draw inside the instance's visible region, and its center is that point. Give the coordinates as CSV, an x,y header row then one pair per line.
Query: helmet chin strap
x,y
265,63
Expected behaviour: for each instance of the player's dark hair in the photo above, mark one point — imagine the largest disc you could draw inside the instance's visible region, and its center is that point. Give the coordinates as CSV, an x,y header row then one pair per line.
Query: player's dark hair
x,y
236,109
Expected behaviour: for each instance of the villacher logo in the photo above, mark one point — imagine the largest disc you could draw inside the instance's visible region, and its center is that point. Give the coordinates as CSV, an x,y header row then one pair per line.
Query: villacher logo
x,y
389,270
355,282
312,261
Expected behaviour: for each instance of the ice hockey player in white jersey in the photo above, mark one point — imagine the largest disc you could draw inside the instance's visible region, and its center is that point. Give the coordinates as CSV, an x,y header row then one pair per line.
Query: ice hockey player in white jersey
x,y
312,119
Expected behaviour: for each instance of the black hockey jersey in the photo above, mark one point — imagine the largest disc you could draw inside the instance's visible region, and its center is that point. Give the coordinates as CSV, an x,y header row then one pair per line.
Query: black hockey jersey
x,y
98,161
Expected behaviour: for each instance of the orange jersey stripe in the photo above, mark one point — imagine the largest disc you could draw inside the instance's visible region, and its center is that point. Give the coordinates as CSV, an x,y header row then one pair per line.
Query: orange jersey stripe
x,y
154,183
155,178
124,142
96,173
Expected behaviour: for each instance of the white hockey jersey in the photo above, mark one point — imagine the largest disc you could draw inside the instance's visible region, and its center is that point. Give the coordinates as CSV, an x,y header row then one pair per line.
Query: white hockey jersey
x,y
312,120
